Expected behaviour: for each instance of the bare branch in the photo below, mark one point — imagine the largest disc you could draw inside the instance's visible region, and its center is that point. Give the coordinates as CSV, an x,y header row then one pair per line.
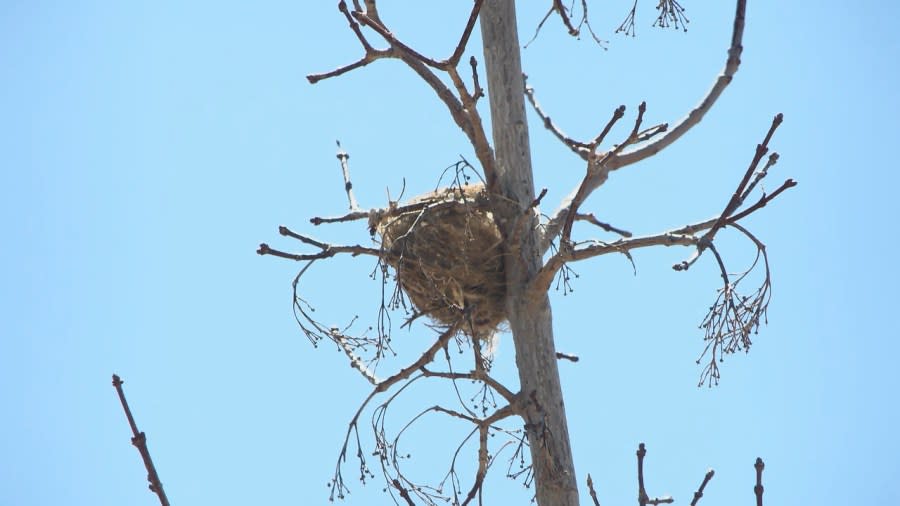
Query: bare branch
x,y
474,375
545,276
763,200
590,484
464,40
694,117
758,489
327,250
684,236
598,170
540,25
567,356
338,487
565,16
590,218
356,215
355,361
424,360
461,108
643,498
371,54
479,92
596,174
699,493
140,442
580,148
403,492
595,167
737,198
344,158
627,26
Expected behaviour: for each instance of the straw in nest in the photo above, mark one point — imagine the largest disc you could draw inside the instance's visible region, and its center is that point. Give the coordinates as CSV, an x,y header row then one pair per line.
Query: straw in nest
x,y
446,251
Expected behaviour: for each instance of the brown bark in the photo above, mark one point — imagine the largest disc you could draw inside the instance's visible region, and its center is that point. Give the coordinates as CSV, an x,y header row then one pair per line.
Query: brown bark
x,y
529,310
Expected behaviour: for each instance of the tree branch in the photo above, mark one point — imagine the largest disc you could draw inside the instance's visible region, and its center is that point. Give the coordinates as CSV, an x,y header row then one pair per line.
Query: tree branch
x,y
758,489
699,493
643,498
475,375
327,250
344,158
722,81
615,160
462,109
338,487
590,484
140,442
737,198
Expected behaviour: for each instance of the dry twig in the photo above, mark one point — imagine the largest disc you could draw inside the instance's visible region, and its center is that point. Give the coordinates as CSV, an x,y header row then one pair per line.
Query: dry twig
x,y
758,488
460,105
139,440
652,142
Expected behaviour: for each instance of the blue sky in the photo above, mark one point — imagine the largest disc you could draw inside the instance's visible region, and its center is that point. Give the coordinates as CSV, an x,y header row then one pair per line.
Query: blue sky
x,y
148,147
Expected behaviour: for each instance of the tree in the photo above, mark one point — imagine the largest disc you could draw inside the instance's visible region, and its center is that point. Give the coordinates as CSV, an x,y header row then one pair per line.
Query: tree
x,y
509,202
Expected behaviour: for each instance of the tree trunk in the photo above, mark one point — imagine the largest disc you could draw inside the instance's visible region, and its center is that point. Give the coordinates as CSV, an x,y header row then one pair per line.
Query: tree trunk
x,y
529,313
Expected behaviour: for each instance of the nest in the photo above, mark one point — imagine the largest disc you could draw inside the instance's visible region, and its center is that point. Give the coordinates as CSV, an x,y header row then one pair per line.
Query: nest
x,y
447,254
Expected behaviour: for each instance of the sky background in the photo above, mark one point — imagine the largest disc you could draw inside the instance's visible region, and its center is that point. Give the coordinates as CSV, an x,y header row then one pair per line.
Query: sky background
x,y
147,148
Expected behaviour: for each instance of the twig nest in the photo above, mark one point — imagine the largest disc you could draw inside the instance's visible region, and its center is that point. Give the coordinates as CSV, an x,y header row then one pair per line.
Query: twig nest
x,y
447,254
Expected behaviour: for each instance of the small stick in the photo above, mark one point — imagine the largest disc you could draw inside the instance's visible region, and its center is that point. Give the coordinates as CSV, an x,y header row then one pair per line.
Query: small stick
x,y
140,442
643,498
758,489
566,356
699,493
590,484
343,156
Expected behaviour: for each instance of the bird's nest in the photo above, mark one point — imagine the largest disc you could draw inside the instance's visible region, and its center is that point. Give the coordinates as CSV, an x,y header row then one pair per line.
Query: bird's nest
x,y
446,250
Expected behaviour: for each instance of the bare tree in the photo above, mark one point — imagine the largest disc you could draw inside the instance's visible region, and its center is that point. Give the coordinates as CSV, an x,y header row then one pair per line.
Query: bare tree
x,y
470,257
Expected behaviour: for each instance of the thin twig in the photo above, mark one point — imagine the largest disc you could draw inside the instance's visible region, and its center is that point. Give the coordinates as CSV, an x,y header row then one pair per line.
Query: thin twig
x,y
474,375
622,159
479,92
464,115
736,200
758,489
567,356
643,498
356,215
403,492
579,148
696,114
590,484
140,442
699,493
337,484
327,252
590,218
344,158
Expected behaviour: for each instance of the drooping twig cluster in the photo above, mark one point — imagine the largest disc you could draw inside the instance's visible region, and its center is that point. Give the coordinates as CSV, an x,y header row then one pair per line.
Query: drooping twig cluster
x,y
388,447
482,409
396,263
670,13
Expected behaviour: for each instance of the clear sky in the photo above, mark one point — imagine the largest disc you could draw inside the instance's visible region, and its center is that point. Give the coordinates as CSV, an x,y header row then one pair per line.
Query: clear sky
x,y
147,148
